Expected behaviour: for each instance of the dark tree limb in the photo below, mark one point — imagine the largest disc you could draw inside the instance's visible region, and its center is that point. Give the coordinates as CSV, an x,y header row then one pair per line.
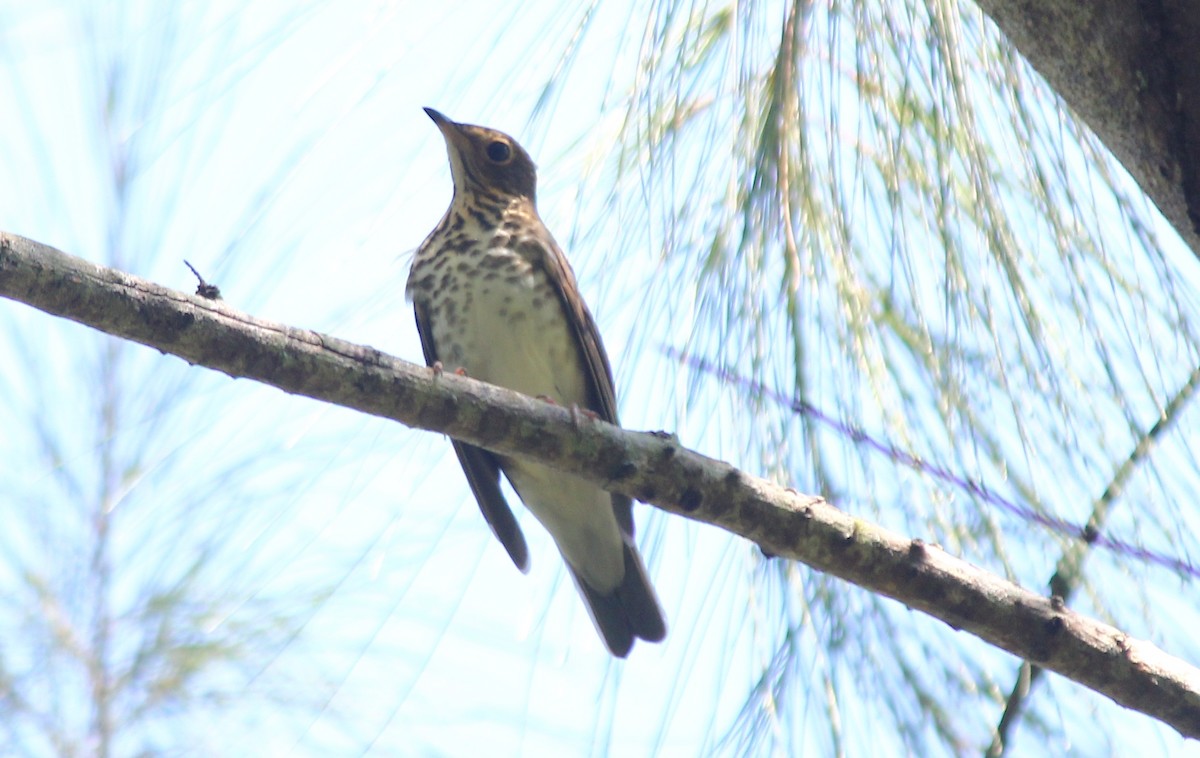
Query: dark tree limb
x,y
1131,71
651,467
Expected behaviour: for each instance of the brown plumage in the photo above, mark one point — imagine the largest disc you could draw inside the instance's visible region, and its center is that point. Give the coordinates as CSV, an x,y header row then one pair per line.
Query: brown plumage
x,y
494,295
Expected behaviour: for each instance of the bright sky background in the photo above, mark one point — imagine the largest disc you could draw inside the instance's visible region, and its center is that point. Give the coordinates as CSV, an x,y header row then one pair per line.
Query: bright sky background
x,y
431,642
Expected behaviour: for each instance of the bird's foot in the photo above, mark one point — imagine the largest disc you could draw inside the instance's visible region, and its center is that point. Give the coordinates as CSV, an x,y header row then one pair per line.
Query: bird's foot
x,y
546,399
576,412
439,369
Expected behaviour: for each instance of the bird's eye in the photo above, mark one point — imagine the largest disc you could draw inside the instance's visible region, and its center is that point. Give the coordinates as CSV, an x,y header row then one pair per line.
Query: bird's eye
x,y
499,152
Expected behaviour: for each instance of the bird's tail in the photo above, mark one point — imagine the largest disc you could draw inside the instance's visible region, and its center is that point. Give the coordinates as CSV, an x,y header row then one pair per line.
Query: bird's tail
x,y
629,611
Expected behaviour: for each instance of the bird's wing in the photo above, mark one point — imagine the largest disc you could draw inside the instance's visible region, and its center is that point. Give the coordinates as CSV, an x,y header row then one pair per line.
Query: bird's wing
x,y
482,470
546,253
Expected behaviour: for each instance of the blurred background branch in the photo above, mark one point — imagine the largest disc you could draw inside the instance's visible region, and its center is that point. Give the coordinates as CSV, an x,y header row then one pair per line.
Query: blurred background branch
x,y
875,209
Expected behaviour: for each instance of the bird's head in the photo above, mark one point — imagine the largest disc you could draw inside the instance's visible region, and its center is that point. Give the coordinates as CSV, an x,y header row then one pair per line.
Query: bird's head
x,y
483,159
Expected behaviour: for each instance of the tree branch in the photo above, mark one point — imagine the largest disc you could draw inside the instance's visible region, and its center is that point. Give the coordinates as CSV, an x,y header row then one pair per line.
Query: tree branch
x,y
1131,70
651,467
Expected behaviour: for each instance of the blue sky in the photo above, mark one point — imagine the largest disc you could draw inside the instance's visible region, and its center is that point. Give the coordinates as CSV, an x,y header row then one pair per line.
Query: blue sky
x,y
282,150
298,171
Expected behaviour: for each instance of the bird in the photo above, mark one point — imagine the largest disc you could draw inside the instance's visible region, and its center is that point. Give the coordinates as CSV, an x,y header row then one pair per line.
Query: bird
x,y
495,298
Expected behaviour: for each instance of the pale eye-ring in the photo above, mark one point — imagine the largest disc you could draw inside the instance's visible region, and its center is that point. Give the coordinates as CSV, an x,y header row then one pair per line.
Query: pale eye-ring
x,y
499,152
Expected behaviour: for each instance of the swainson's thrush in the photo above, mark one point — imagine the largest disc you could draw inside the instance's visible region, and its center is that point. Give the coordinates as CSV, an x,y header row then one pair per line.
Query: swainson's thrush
x,y
495,296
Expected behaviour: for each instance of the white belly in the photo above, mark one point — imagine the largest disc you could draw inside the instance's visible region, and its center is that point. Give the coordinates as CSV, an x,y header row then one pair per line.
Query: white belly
x,y
511,330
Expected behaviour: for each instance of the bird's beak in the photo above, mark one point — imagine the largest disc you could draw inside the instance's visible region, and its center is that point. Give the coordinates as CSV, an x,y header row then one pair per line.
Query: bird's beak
x,y
439,118
458,145
449,129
